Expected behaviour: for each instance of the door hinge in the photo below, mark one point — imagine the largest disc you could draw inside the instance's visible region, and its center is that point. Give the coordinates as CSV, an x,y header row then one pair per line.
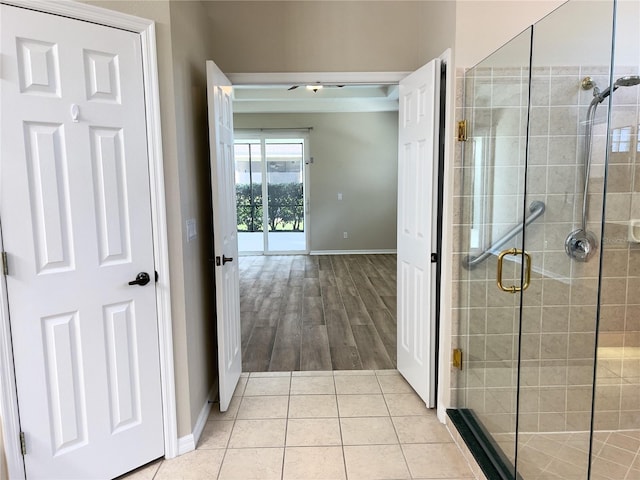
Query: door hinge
x,y
23,444
457,358
5,264
462,131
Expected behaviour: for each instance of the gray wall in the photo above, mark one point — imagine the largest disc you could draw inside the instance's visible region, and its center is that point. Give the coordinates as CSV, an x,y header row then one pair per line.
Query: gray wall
x,y
190,48
354,154
329,36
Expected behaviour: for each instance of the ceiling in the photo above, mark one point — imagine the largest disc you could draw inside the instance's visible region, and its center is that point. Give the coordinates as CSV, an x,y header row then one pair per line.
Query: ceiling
x,y
331,98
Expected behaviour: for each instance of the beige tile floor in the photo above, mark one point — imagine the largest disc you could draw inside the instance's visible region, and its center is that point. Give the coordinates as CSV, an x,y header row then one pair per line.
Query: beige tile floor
x,y
565,456
340,425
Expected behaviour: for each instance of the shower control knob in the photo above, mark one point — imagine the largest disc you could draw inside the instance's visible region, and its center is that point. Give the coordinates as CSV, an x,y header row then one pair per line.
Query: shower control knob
x,y
581,245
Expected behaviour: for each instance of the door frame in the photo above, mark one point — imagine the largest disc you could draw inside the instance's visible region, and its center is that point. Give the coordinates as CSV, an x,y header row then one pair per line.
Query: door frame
x,y
8,395
263,134
444,396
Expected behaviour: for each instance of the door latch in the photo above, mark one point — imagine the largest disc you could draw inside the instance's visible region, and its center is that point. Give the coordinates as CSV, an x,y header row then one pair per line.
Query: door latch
x,y
141,279
225,259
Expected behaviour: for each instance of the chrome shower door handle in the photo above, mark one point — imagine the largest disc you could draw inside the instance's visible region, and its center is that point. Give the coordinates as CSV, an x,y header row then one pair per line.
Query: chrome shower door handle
x,y
527,272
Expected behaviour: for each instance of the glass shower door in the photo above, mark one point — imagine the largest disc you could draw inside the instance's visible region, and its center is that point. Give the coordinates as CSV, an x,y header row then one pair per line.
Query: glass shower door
x,y
491,268
561,307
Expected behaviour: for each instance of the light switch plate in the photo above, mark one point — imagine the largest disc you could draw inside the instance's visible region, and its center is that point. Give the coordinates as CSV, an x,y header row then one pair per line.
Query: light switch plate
x,y
192,231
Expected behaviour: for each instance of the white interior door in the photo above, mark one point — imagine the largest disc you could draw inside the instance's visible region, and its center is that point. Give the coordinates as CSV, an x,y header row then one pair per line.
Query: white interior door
x,y
417,164
76,225
219,98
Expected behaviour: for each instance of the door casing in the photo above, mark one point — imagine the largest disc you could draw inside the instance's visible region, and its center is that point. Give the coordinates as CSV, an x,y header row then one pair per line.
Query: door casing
x,y
8,395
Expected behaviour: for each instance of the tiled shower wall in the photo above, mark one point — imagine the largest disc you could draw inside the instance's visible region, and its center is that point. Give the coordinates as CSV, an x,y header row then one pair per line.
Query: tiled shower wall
x,y
560,306
559,322
618,382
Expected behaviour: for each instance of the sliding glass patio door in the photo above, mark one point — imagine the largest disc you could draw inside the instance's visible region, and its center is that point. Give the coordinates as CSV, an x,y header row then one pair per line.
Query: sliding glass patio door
x,y
271,192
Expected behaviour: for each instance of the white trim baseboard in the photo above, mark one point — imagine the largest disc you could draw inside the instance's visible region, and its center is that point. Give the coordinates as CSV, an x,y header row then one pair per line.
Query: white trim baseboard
x,y
354,252
186,444
8,396
189,442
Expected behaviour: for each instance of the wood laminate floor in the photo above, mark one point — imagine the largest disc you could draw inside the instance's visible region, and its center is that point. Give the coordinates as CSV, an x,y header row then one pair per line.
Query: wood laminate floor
x,y
333,312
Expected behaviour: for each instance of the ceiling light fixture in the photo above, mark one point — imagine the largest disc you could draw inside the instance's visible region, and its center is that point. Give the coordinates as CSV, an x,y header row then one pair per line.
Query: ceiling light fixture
x,y
315,88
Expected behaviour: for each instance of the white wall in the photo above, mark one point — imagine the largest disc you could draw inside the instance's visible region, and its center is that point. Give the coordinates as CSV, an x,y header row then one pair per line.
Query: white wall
x,y
355,154
484,26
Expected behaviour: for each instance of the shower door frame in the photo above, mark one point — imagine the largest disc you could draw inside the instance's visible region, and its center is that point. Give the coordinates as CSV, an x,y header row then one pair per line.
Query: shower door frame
x,y
581,281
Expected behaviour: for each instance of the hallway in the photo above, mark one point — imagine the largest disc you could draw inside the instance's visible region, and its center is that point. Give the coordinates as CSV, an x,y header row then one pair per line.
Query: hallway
x,y
330,312
366,425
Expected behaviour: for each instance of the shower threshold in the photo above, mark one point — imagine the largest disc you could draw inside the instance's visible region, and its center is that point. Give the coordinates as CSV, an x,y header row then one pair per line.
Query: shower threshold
x,y
493,462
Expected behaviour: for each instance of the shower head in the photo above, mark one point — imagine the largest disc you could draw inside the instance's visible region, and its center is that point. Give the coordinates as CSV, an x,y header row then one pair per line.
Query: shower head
x,y
581,244
628,81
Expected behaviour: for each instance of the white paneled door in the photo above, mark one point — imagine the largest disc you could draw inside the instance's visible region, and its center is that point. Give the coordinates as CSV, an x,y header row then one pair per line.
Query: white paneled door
x,y
76,226
417,172
219,100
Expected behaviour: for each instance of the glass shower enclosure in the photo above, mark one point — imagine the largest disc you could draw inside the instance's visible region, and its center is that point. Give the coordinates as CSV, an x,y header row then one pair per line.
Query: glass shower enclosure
x,y
547,267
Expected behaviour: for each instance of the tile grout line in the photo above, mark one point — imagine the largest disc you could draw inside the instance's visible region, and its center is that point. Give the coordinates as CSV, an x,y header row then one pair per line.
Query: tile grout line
x,y
235,417
286,428
344,458
404,457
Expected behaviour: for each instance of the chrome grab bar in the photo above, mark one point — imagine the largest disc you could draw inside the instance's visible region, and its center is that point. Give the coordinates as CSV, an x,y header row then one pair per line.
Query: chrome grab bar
x,y
536,209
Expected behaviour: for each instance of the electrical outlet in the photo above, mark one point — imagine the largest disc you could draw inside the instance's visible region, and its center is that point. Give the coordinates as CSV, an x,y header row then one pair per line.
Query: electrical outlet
x,y
340,198
345,235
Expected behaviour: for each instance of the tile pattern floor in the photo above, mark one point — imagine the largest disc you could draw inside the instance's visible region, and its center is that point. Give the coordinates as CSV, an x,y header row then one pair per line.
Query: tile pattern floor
x,y
326,312
616,453
355,425
555,456
565,455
